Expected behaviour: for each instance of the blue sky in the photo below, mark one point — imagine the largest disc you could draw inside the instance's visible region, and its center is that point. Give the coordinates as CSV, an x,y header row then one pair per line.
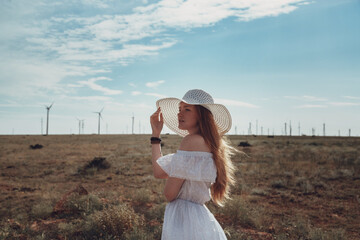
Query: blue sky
x,y
270,62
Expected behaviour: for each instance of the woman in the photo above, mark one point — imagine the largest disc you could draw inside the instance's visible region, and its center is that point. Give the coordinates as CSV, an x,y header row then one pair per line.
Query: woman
x,y
199,171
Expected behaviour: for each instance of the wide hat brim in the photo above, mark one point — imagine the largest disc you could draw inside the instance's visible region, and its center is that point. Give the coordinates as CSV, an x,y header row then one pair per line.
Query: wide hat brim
x,y
170,109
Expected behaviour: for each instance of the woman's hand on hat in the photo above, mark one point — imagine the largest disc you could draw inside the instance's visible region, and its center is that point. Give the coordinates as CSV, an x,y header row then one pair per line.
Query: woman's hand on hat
x,y
157,123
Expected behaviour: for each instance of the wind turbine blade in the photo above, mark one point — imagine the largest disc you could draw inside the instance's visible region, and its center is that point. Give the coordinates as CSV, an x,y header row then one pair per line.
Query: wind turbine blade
x,y
102,110
51,105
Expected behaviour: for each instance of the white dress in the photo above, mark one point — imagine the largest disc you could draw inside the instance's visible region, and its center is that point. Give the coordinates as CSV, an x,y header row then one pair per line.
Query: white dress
x,y
187,218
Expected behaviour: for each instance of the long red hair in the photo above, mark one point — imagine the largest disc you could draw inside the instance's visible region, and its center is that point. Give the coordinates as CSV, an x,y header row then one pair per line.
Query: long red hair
x,y
222,152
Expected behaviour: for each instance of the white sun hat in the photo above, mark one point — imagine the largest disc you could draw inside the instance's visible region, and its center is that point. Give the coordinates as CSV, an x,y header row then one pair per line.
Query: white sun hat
x,y
170,109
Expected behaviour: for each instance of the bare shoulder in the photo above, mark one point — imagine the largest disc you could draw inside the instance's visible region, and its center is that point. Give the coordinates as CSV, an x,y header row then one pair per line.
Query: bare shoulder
x,y
194,143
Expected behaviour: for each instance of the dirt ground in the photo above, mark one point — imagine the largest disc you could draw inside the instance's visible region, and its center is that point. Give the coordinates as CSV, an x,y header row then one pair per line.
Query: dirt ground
x,y
287,187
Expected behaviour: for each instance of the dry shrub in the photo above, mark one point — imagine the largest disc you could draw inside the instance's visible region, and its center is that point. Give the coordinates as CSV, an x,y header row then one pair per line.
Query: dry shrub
x,y
156,212
234,234
83,205
305,186
300,228
259,192
238,188
141,196
115,221
239,212
68,229
98,163
138,234
41,210
279,183
320,234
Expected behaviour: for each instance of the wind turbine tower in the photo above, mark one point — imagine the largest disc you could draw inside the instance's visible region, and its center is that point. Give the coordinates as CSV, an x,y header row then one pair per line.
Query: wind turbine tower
x,y
132,126
81,125
99,113
47,121
290,128
256,127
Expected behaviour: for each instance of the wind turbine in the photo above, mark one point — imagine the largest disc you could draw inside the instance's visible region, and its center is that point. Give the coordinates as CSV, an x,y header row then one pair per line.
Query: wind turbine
x,y
99,119
132,128
81,121
82,125
47,121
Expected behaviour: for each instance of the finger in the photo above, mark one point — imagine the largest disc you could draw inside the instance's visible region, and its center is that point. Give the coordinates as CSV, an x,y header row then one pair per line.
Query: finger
x,y
157,111
161,117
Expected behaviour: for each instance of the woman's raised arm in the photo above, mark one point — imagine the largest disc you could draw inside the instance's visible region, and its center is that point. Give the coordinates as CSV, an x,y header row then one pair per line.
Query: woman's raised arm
x,y
157,123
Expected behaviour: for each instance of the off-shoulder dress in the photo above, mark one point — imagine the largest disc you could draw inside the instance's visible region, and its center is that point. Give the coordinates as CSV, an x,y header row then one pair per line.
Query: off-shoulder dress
x,y
187,218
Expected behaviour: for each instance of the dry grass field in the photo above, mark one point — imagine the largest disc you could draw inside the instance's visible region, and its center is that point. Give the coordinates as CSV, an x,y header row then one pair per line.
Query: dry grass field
x,y
101,187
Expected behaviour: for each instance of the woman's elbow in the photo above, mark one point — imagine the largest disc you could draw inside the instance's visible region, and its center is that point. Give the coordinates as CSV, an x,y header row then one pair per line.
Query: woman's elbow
x,y
170,197
170,194
160,175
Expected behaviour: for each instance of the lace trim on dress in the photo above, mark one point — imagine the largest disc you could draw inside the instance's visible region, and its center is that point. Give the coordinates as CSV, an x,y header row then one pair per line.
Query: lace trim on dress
x,y
195,166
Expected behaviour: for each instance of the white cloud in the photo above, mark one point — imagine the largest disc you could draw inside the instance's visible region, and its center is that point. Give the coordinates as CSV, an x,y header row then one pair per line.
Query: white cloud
x,y
39,53
11,104
311,106
306,3
306,98
91,83
136,93
228,102
106,38
96,3
197,13
31,77
312,98
141,106
132,84
344,104
92,98
260,9
352,97
154,84
156,95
